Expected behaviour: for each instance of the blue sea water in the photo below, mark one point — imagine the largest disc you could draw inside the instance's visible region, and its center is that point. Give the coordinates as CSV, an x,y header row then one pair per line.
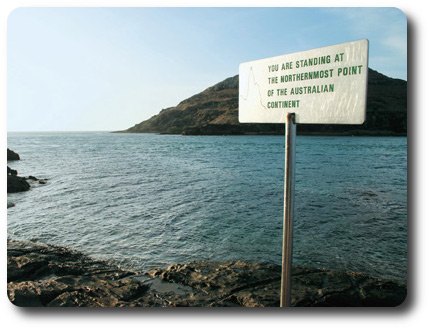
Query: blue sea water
x,y
147,200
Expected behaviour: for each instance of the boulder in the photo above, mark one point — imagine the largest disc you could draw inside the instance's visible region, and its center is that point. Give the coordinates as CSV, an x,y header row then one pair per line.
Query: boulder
x,y
16,184
11,171
11,155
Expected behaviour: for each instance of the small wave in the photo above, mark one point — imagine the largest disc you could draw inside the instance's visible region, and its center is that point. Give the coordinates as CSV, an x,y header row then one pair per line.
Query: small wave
x,y
145,202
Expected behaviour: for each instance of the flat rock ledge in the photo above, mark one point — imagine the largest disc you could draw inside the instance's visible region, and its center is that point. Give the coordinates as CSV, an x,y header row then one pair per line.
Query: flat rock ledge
x,y
47,275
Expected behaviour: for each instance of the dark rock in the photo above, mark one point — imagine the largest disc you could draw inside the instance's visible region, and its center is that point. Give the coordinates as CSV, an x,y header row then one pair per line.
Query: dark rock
x,y
40,181
10,204
11,155
215,112
24,294
258,285
16,184
11,171
45,275
75,291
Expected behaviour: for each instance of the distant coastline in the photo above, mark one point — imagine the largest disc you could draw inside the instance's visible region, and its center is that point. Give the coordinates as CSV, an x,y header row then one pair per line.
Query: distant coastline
x,y
215,112
346,132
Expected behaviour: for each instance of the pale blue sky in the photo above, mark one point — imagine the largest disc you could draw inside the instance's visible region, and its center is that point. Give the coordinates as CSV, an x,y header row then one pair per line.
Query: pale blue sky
x,y
104,69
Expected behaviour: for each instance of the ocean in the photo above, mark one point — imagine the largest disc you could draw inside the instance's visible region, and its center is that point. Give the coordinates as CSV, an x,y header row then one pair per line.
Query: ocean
x,y
145,200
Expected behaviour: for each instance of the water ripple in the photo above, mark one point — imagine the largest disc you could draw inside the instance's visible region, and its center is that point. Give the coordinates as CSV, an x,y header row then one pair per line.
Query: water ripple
x,y
146,200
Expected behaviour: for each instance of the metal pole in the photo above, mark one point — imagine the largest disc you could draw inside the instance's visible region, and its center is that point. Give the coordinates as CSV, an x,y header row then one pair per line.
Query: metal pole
x,y
287,246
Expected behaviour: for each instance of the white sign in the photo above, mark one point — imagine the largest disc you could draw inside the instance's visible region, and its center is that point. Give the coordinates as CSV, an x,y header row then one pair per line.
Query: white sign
x,y
321,86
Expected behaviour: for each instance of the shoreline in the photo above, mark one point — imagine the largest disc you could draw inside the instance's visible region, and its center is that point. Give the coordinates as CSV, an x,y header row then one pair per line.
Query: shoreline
x,y
47,275
351,132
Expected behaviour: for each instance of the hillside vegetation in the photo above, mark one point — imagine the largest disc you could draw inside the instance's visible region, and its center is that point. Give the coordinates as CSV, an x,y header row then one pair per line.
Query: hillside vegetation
x,y
215,112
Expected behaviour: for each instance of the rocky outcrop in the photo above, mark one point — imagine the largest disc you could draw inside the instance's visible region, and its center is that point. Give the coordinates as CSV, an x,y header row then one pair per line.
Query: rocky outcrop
x,y
215,112
16,183
11,155
45,275
239,283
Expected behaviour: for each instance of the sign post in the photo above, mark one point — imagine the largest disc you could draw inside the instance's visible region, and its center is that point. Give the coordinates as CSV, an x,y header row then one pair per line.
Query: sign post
x,y
287,246
321,86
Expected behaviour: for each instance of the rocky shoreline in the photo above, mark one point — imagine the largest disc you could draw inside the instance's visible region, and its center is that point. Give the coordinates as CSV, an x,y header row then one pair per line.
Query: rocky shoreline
x,y
41,275
17,183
